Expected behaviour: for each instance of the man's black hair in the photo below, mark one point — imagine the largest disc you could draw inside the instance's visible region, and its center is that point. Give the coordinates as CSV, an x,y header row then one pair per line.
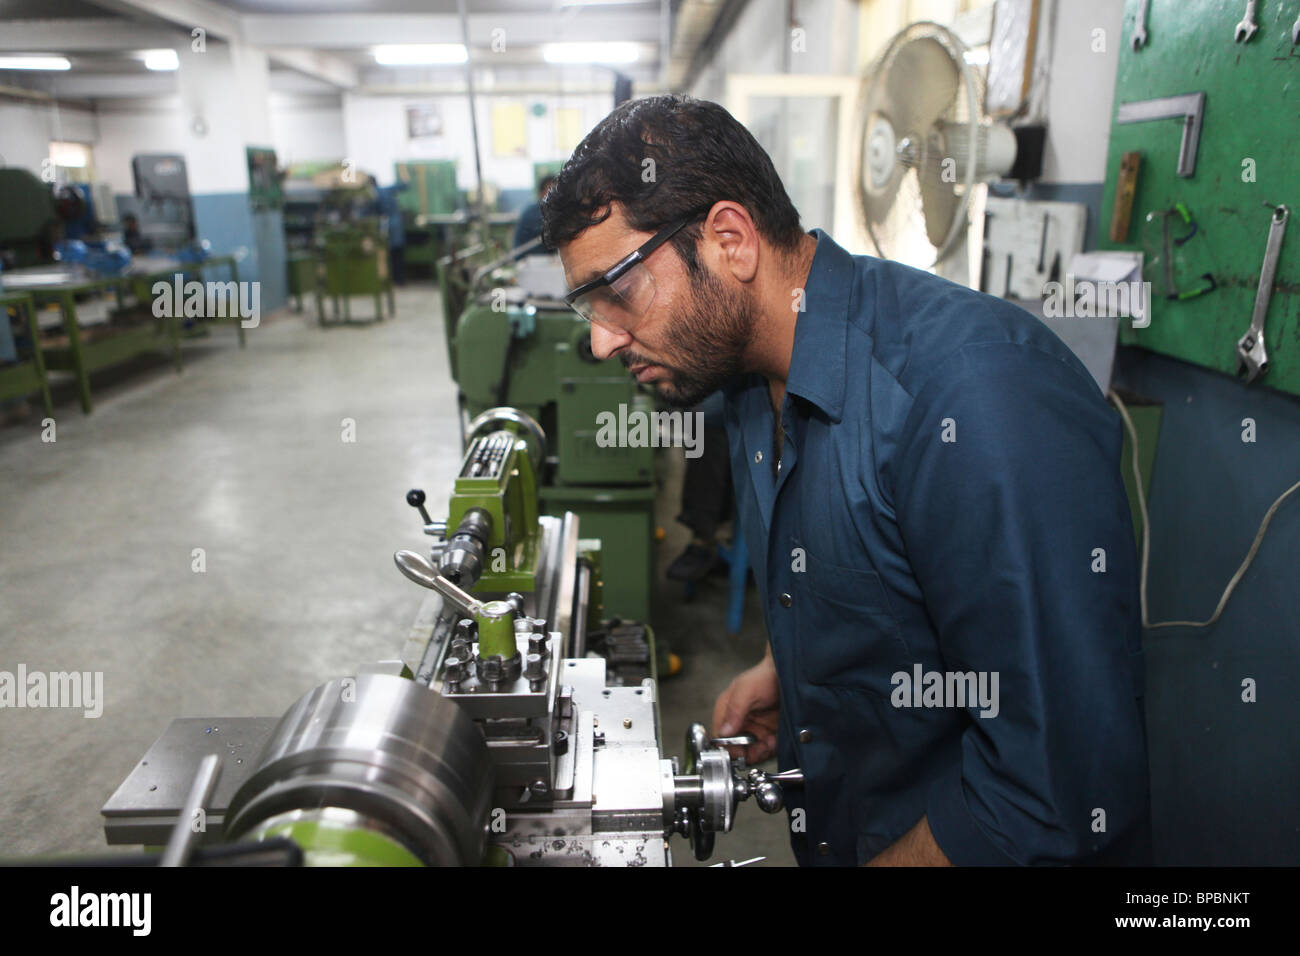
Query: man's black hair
x,y
701,155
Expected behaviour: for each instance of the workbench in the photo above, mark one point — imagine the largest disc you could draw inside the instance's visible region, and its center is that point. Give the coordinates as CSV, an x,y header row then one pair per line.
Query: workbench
x,y
83,349
147,270
27,375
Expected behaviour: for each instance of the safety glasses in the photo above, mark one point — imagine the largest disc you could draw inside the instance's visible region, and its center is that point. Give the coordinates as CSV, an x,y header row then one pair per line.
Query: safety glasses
x,y
624,293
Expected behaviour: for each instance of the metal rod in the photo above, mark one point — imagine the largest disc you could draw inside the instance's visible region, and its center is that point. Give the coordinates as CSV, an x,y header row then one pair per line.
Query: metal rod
x,y
581,600
184,835
473,118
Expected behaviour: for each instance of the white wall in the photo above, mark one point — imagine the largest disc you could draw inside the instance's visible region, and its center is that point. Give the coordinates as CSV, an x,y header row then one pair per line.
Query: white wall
x,y
26,130
375,133
761,41
307,129
135,126
219,86
1081,90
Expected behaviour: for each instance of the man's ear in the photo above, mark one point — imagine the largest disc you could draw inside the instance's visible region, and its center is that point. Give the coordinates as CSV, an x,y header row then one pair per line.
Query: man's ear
x,y
734,239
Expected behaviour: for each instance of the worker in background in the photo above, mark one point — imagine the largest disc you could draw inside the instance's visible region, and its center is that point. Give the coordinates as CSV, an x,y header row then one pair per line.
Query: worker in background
x,y
529,226
132,236
930,486
706,496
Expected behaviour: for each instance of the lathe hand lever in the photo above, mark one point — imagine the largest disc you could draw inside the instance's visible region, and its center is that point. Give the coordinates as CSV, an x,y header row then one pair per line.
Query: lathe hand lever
x,y
415,498
418,569
765,787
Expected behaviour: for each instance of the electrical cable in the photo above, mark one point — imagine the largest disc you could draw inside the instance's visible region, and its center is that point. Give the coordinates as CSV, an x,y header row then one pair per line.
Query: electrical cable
x,y
1146,532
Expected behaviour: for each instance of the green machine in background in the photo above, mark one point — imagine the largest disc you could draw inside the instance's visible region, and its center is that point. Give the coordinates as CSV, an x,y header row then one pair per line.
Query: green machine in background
x,y
352,259
29,226
542,170
518,344
430,199
337,245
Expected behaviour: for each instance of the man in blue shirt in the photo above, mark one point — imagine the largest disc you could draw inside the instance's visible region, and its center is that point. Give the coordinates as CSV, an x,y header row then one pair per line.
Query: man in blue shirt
x,y
931,492
529,226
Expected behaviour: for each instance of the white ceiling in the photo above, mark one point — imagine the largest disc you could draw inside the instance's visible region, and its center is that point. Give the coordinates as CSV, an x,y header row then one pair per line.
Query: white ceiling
x,y
331,41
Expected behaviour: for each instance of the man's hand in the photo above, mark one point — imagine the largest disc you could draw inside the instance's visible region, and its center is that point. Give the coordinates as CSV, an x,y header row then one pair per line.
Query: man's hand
x,y
751,704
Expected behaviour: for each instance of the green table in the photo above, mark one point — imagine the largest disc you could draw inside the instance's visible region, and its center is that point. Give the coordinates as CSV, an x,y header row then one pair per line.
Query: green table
x,y
142,280
27,376
80,354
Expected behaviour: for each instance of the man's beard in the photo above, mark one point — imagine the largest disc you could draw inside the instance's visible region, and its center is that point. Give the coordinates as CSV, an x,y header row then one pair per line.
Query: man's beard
x,y
708,342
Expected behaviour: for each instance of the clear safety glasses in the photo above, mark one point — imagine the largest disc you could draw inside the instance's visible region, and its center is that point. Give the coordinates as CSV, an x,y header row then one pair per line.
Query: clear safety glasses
x,y
623,294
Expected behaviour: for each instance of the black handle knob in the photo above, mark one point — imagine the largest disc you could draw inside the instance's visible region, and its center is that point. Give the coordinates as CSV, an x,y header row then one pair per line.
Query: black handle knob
x,y
415,498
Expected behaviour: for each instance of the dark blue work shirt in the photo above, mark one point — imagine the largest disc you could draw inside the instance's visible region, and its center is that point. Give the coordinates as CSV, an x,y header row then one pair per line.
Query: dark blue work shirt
x,y
949,503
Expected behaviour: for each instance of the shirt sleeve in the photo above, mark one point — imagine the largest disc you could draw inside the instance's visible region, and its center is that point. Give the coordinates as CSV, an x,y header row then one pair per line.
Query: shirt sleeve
x,y
1008,495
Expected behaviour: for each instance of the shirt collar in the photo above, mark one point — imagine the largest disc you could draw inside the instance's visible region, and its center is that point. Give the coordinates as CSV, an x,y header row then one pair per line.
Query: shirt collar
x,y
818,360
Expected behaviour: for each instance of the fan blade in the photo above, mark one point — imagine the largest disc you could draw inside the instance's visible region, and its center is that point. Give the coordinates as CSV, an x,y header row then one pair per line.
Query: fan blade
x,y
939,199
876,206
921,83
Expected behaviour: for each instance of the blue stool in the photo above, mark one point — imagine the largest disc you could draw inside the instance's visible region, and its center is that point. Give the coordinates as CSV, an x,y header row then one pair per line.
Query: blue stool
x,y
737,561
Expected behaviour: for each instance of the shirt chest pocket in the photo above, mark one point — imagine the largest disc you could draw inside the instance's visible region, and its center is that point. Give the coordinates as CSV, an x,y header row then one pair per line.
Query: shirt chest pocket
x,y
845,633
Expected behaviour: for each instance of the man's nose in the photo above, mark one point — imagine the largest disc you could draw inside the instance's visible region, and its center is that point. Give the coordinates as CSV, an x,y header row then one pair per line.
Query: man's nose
x,y
604,342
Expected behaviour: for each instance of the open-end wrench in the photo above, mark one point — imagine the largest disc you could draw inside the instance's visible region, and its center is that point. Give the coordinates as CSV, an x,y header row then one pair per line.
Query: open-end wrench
x,y
1140,28
1247,27
1252,358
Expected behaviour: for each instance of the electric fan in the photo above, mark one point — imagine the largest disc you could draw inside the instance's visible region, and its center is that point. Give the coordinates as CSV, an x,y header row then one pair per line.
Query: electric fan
x,y
924,145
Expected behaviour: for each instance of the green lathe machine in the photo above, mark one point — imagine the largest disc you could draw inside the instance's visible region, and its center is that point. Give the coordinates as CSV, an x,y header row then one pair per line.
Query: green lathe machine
x,y
510,733
518,344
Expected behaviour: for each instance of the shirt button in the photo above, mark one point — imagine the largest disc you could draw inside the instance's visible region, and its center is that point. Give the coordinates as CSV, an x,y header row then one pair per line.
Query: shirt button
x,y
785,599
758,457
823,849
805,736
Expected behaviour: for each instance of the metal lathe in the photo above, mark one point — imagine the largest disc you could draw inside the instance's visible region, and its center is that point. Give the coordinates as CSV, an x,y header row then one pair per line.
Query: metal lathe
x,y
503,737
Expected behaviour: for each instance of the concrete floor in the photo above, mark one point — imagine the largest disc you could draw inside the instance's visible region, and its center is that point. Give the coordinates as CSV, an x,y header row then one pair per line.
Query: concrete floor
x,y
242,456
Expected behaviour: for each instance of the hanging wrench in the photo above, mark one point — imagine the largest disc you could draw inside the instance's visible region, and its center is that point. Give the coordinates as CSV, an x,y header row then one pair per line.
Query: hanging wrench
x,y
1247,27
1140,28
1252,359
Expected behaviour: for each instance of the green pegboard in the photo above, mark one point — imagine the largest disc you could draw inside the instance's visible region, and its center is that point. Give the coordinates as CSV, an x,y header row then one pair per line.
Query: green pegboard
x,y
1252,113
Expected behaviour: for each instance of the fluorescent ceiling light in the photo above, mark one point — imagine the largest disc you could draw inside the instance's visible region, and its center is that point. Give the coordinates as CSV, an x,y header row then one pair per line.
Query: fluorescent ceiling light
x,y
161,60
589,52
34,63
419,54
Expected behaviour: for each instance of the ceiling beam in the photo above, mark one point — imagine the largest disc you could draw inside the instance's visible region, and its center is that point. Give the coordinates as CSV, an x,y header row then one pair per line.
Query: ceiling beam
x,y
340,31
319,66
221,23
217,21
93,35
104,86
